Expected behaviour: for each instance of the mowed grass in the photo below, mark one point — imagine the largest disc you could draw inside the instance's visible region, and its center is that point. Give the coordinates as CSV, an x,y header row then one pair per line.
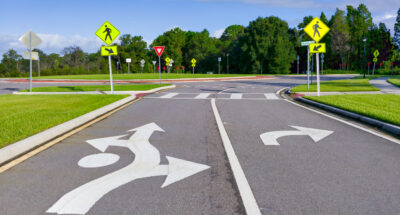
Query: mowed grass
x,y
395,81
24,115
338,86
142,76
383,107
119,87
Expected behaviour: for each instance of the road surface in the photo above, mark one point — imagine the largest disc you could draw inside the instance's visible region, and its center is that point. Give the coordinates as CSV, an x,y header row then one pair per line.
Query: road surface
x,y
294,160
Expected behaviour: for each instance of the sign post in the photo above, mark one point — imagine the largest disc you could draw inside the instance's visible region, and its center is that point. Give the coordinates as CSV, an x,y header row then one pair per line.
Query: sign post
x,y
307,43
128,60
368,67
31,41
322,63
108,33
142,65
219,65
154,66
376,54
316,29
193,64
298,58
159,50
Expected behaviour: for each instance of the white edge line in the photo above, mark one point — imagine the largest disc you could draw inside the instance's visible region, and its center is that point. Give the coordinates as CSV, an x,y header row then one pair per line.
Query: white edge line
x,y
348,123
249,202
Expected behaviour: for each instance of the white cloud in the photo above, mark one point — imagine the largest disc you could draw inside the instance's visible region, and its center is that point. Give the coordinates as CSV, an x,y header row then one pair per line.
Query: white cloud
x,y
52,43
218,33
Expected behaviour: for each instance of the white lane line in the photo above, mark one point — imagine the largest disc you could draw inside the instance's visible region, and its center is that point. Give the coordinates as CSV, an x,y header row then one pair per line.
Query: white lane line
x,y
169,95
271,96
236,96
202,96
348,123
249,202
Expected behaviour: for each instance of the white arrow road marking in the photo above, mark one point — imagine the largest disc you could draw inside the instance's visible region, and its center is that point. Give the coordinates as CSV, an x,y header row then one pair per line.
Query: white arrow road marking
x,y
271,138
146,164
98,160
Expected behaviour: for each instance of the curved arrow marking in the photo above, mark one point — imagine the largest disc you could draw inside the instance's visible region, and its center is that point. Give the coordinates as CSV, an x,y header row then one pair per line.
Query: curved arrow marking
x,y
146,164
271,138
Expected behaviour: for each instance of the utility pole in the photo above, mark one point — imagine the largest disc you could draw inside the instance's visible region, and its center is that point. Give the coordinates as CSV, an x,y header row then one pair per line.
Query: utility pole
x,y
227,63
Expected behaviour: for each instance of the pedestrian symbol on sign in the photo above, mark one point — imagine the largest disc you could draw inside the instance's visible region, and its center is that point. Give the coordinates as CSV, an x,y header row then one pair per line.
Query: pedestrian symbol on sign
x,y
316,27
108,30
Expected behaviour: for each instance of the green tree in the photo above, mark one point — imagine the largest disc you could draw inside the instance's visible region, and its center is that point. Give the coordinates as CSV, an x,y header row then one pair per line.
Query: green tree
x,y
266,43
396,38
340,35
136,49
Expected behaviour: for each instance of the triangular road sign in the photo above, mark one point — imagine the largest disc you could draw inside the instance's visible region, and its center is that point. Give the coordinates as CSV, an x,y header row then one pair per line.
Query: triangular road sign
x,y
159,50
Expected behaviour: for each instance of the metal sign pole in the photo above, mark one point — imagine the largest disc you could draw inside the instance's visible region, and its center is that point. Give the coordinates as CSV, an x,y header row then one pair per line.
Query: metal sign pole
x,y
312,68
38,64
111,78
219,67
308,67
317,59
30,61
298,64
373,70
159,67
193,69
128,69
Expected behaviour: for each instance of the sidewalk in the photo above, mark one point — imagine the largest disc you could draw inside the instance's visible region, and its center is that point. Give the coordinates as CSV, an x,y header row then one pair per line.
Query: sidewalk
x,y
381,83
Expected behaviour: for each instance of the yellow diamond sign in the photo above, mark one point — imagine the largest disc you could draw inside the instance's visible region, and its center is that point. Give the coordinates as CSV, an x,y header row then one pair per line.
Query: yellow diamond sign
x,y
109,50
193,61
317,48
167,60
107,32
316,29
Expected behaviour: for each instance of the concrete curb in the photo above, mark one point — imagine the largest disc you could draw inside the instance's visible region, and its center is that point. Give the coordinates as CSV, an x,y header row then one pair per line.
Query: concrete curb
x,y
21,147
393,129
98,92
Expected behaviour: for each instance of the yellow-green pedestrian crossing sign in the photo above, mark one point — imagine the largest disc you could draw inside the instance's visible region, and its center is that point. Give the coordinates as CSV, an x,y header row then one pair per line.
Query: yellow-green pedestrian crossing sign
x,y
316,29
376,53
109,50
107,32
193,61
167,60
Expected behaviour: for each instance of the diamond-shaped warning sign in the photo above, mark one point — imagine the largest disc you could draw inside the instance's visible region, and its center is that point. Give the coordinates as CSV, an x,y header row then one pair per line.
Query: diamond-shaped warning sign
x,y
107,32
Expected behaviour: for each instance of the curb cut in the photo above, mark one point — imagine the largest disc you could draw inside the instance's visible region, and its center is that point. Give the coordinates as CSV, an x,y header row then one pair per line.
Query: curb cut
x,y
14,150
390,128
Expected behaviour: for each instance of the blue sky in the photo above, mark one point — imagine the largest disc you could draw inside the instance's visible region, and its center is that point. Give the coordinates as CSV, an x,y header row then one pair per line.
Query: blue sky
x,y
63,23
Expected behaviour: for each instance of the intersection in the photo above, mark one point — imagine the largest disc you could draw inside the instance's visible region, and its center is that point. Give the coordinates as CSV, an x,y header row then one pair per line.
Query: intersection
x,y
351,169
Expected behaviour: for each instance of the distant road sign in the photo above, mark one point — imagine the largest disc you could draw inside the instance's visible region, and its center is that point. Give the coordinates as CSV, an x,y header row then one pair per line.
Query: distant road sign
x,y
107,32
193,65
128,60
109,50
25,39
35,55
142,61
375,59
154,62
316,29
317,48
193,61
159,50
219,59
306,43
167,60
376,53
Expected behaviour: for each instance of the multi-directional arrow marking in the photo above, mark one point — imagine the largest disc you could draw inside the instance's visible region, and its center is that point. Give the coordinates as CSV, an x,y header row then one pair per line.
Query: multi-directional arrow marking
x,y
146,164
271,138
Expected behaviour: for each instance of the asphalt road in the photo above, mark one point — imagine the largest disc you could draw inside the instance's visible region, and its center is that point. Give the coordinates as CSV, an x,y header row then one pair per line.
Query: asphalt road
x,y
348,171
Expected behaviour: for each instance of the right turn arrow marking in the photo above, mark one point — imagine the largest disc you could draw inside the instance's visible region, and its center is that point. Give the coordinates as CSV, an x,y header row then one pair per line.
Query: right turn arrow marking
x,y
271,138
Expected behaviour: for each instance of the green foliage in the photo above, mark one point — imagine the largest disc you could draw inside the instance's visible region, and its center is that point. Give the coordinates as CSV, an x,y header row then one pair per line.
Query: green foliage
x,y
338,86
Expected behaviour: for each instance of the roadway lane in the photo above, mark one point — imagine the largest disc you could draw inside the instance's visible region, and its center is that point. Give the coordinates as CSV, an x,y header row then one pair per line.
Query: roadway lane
x,y
348,172
190,134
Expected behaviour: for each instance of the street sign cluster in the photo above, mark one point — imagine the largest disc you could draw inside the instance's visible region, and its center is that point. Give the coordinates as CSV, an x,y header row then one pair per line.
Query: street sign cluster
x,y
31,41
108,33
316,29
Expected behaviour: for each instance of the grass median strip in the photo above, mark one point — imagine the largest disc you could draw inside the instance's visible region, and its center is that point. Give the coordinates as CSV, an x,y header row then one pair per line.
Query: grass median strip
x,y
142,76
395,81
339,86
119,87
384,107
22,116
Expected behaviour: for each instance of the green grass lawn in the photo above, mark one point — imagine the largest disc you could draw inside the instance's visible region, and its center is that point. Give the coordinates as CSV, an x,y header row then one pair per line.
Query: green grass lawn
x,y
395,81
383,107
142,76
22,116
119,87
338,86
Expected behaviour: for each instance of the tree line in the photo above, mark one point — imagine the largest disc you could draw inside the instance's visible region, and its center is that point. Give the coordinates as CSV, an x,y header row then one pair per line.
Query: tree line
x,y
266,45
